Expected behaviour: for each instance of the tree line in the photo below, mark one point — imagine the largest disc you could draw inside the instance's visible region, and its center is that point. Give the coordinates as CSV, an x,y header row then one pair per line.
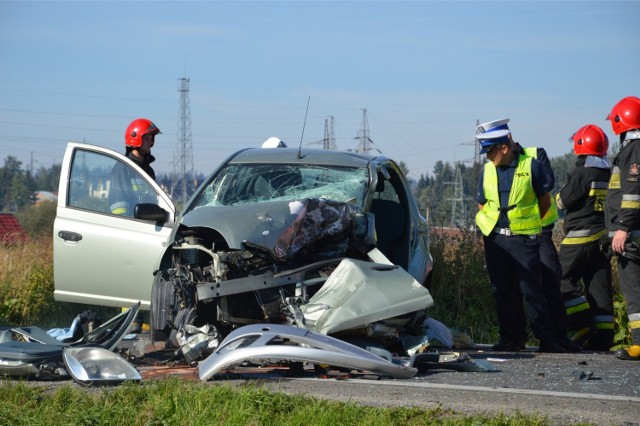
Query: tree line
x,y
18,187
450,187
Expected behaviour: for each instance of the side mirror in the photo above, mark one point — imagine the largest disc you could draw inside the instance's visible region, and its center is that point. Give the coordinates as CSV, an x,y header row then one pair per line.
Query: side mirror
x,y
148,211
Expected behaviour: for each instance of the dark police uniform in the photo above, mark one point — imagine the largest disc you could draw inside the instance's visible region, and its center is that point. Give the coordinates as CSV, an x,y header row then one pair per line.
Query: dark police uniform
x,y
551,272
513,263
623,213
590,311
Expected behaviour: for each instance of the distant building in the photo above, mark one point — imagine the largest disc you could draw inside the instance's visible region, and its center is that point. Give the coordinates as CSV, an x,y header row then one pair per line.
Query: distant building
x,y
10,229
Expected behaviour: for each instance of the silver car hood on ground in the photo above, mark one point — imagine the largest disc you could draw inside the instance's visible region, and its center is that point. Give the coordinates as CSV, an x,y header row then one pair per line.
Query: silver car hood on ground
x,y
271,343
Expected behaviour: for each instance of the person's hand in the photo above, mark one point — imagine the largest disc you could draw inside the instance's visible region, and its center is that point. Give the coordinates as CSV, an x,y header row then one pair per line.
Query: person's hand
x,y
619,238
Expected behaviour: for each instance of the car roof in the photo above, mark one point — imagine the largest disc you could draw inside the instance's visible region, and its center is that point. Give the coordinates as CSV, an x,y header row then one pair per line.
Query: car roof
x,y
306,156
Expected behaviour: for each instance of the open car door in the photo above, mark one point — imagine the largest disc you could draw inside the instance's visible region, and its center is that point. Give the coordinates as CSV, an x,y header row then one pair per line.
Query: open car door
x,y
101,257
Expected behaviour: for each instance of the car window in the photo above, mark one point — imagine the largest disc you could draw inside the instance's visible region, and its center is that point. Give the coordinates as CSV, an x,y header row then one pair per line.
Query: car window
x,y
256,183
105,184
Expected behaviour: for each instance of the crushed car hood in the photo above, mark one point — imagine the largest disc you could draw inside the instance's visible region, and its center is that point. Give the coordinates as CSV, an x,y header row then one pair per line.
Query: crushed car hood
x,y
284,228
358,293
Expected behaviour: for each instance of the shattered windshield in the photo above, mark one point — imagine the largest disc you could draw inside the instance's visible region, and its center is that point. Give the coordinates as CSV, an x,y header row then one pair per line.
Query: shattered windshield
x,y
256,183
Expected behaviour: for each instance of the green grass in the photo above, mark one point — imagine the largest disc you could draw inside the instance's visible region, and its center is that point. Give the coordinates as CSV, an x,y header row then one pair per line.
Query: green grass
x,y
179,402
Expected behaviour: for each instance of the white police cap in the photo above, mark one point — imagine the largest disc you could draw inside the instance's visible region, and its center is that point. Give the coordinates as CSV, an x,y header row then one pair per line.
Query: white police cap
x,y
493,125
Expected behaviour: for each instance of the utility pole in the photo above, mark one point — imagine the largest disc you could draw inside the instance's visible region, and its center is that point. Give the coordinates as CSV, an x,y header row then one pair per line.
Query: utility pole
x,y
329,141
458,207
364,141
182,180
476,157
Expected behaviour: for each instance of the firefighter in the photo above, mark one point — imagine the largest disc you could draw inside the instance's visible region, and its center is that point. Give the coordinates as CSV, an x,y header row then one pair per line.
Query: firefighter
x,y
512,198
126,186
586,279
622,213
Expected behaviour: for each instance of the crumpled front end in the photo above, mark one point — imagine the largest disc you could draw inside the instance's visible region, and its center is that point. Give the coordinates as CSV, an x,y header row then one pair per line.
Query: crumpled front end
x,y
312,271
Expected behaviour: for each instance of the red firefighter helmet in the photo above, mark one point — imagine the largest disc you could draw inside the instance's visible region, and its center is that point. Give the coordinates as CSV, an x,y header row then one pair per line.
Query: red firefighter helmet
x,y
590,140
137,128
625,115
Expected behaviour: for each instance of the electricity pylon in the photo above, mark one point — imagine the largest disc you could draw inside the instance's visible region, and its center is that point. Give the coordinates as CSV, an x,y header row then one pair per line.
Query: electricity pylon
x,y
183,179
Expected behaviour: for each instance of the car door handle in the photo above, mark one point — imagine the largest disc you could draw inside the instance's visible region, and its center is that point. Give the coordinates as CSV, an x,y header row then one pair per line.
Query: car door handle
x,y
70,236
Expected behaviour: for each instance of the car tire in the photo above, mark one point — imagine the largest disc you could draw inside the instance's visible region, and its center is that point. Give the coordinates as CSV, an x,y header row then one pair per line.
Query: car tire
x,y
162,301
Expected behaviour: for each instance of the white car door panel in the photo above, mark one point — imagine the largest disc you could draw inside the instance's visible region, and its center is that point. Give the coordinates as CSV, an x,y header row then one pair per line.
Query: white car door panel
x,y
102,258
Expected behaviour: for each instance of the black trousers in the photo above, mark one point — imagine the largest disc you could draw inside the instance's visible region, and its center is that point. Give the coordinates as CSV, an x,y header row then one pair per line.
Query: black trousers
x,y
584,265
551,277
629,274
513,263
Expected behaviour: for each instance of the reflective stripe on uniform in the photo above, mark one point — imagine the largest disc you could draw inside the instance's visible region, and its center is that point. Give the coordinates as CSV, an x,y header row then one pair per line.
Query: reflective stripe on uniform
x,y
634,321
604,322
576,305
614,181
582,237
121,207
598,191
630,201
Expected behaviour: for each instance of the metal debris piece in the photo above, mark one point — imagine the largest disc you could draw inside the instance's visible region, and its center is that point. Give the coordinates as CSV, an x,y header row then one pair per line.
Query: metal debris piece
x,y
31,352
583,376
458,361
196,341
91,366
271,343
359,292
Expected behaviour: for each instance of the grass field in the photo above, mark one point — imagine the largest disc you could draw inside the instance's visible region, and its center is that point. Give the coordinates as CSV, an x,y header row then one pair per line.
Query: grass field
x,y
179,402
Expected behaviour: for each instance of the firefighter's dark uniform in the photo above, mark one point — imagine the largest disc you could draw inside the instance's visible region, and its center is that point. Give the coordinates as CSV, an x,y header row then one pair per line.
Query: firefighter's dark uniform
x,y
126,186
623,213
510,222
126,190
551,272
590,310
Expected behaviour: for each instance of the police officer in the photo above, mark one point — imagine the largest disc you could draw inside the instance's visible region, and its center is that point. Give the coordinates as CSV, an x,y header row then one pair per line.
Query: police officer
x,y
623,213
589,309
512,198
125,188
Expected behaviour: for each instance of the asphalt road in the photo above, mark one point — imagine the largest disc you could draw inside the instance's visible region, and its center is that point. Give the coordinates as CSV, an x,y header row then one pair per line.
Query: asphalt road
x,y
590,387
567,389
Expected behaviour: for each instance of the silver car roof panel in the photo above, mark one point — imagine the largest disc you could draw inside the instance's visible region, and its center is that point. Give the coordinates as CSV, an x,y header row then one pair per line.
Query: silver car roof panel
x,y
307,156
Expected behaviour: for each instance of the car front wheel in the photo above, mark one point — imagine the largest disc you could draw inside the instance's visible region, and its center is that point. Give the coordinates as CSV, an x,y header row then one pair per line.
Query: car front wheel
x,y
162,302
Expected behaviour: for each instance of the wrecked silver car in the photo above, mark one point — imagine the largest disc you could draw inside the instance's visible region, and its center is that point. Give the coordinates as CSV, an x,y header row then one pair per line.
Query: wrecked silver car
x,y
325,240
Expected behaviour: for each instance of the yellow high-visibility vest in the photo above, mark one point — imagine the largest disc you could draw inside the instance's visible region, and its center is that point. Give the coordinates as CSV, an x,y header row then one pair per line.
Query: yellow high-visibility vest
x,y
551,216
523,211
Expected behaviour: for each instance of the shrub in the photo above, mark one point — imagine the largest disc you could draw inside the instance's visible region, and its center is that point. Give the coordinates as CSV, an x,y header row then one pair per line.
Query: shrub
x,y
26,287
37,220
462,291
460,285
26,290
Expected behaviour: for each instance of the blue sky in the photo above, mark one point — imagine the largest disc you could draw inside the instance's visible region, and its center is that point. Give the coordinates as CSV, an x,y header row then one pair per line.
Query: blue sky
x,y
424,70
